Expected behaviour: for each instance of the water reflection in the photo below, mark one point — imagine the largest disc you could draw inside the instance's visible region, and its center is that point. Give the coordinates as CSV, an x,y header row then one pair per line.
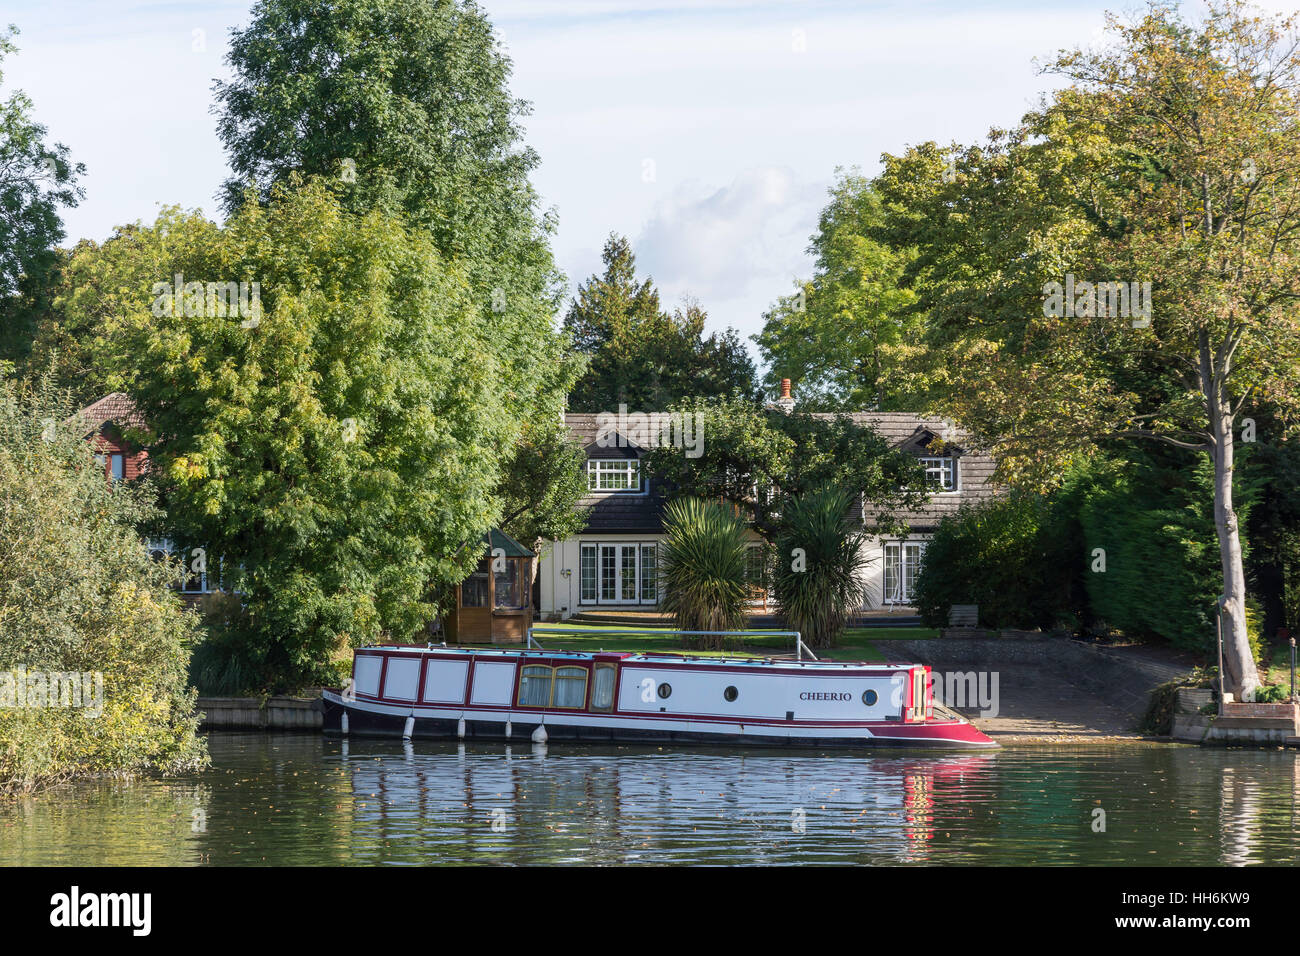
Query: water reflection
x,y
301,799
617,806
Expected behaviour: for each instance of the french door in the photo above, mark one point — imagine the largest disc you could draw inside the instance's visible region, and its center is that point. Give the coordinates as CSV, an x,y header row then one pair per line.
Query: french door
x,y
902,563
619,573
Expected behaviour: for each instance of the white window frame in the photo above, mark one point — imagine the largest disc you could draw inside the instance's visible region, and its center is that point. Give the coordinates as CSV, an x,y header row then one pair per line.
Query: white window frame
x,y
602,553
901,547
611,469
166,546
943,468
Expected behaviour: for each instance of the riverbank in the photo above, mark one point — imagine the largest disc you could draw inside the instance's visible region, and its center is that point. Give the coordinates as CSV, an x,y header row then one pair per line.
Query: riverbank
x,y
1050,689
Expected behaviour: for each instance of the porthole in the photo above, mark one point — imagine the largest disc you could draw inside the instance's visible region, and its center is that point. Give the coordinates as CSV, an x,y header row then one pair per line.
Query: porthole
x,y
665,690
730,694
869,697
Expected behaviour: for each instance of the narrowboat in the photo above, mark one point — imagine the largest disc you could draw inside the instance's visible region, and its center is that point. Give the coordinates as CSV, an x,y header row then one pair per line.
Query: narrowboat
x,y
593,696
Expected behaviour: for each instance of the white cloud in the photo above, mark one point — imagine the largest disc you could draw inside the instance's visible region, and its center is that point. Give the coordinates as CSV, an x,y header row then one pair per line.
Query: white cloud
x,y
718,243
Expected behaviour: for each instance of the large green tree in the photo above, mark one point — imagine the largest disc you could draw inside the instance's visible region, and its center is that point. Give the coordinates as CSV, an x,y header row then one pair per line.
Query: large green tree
x,y
640,355
405,106
847,337
1169,159
340,448
36,181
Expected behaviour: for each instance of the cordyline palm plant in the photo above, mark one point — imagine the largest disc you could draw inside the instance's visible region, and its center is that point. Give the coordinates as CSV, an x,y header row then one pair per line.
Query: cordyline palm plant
x,y
818,576
703,568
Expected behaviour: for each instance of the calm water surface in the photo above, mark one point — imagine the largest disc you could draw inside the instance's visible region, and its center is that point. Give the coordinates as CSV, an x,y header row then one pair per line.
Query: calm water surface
x,y
304,799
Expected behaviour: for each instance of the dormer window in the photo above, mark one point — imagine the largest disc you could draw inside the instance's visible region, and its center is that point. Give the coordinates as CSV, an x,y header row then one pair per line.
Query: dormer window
x,y
613,474
941,473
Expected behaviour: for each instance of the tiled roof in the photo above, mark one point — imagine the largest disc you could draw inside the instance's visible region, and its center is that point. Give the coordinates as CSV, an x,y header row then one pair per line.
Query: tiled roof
x,y
614,513
114,407
914,431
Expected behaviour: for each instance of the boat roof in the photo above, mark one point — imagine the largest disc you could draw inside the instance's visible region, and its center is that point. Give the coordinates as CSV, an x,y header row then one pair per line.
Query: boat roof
x,y
634,657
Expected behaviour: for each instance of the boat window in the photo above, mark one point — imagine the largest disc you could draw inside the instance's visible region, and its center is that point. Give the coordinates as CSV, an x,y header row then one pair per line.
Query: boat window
x,y
869,697
535,686
602,689
730,694
665,690
570,687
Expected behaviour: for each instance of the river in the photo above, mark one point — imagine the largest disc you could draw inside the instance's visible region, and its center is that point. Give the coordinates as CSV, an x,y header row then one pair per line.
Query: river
x,y
302,799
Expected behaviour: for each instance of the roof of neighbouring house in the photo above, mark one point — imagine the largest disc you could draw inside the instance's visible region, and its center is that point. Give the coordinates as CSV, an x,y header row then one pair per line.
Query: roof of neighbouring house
x,y
114,407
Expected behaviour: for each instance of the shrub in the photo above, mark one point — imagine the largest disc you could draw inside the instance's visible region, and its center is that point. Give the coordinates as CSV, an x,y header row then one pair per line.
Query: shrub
x,y
1272,694
703,568
1153,517
1010,556
80,595
817,594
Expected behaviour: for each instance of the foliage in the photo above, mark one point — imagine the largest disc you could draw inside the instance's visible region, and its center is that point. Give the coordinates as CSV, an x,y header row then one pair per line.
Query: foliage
x,y
702,568
1270,474
1272,694
404,107
36,180
760,458
1016,558
848,337
818,575
644,357
1155,524
1169,160
341,447
79,594
541,485
228,661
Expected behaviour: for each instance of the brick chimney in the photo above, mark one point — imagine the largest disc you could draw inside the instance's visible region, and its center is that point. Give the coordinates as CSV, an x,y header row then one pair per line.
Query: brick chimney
x,y
786,401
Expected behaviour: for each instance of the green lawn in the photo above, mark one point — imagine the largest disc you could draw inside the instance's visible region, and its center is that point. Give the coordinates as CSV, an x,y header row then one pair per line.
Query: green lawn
x,y
855,644
1277,666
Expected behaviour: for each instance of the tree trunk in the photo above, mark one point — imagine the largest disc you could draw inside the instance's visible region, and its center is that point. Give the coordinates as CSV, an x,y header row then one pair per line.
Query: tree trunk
x,y
1239,674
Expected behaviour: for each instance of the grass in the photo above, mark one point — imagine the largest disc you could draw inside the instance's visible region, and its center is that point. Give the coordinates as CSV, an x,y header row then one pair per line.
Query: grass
x,y
855,644
1276,667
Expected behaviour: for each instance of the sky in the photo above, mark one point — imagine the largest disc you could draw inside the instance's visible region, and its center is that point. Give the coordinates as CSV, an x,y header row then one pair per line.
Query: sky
x,y
707,131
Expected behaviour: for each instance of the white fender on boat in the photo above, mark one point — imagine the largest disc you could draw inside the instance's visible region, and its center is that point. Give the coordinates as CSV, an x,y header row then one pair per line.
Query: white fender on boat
x,y
460,727
539,735
344,726
509,728
410,726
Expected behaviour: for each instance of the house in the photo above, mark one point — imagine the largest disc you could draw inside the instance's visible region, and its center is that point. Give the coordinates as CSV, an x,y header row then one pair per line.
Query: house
x,y
106,422
612,563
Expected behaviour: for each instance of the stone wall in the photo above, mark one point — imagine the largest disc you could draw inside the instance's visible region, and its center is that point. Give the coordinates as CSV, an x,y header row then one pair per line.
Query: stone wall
x,y
254,713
